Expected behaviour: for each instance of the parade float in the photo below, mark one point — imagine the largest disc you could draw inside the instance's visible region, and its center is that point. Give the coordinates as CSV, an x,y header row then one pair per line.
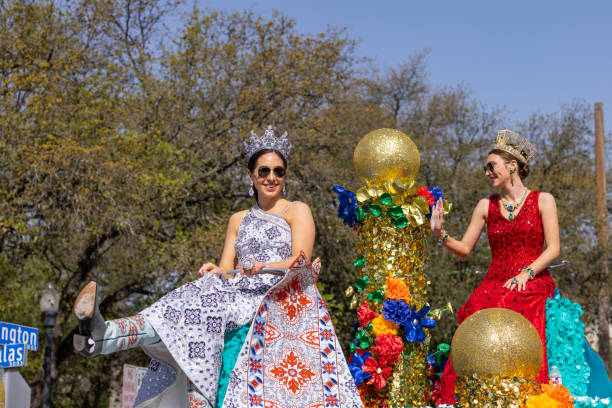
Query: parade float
x,y
496,352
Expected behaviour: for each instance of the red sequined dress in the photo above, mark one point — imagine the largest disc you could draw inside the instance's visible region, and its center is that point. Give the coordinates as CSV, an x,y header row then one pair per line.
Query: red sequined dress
x,y
514,244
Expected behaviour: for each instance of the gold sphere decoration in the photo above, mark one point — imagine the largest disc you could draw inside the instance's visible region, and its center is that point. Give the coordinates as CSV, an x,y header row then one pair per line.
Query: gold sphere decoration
x,y
497,342
384,155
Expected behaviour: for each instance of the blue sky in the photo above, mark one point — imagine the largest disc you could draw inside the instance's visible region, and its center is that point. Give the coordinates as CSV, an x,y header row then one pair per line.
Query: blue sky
x,y
526,56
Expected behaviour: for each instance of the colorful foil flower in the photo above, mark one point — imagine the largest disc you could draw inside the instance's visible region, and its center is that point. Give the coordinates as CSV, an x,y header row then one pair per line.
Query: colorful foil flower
x,y
347,208
397,311
382,326
356,367
414,327
365,314
436,192
423,191
541,401
389,347
560,394
397,289
379,370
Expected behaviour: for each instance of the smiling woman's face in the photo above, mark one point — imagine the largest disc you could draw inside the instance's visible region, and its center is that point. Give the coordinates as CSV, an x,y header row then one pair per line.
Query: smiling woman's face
x,y
265,176
497,170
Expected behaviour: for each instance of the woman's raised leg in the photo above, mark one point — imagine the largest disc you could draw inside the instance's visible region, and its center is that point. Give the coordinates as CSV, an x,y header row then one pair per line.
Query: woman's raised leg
x,y
103,337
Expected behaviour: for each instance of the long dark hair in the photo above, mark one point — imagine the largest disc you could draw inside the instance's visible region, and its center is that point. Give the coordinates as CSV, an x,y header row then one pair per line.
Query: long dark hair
x,y
253,162
523,168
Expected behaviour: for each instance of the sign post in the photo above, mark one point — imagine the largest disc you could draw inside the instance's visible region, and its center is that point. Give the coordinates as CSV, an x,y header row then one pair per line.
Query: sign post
x,y
132,379
15,341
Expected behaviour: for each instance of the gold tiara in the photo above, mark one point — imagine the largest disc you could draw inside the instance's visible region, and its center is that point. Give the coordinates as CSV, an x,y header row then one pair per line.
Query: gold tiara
x,y
515,144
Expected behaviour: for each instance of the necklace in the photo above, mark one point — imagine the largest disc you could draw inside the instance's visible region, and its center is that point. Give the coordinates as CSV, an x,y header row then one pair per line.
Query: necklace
x,y
512,207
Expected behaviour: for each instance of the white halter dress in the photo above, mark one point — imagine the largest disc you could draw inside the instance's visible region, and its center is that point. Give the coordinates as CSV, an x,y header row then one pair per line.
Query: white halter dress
x,y
287,317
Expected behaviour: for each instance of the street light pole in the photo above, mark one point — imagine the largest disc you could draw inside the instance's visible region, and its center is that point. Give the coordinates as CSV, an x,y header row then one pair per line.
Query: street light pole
x,y
49,304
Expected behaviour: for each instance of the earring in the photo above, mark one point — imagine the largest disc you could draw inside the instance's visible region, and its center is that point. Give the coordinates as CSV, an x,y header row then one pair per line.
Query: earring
x,y
284,189
512,177
251,190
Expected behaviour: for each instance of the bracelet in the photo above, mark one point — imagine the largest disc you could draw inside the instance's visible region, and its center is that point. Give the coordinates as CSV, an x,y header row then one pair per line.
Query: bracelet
x,y
530,271
443,236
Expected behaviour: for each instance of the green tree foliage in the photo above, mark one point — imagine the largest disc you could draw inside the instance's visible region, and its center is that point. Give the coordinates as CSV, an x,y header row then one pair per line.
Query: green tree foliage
x,y
121,159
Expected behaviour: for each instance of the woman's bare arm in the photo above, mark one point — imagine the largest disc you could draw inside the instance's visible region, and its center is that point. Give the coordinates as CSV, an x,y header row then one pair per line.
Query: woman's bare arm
x,y
228,256
299,217
462,248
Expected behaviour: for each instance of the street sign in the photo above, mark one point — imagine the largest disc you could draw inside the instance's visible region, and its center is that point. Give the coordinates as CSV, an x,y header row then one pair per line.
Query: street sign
x,y
13,355
16,334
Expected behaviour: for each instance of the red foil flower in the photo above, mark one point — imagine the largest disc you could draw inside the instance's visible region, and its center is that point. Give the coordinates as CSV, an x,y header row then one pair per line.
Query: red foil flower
x,y
427,194
389,347
365,314
379,370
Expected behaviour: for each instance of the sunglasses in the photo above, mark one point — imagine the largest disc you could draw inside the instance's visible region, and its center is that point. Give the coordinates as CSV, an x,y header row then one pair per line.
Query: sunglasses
x,y
264,172
490,166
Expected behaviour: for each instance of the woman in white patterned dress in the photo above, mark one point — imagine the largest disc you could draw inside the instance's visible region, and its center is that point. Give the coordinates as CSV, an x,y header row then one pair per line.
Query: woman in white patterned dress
x,y
184,330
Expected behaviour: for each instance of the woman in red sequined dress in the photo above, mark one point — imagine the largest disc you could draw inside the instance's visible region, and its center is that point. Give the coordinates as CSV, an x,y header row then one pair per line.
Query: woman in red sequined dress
x,y
523,233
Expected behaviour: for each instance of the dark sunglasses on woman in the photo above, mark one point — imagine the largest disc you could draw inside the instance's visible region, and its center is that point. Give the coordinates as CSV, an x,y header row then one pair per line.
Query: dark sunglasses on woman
x,y
489,167
264,171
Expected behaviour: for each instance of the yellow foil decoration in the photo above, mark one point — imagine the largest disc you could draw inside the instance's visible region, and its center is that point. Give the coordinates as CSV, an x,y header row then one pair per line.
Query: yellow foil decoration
x,y
382,326
385,154
497,342
387,162
493,392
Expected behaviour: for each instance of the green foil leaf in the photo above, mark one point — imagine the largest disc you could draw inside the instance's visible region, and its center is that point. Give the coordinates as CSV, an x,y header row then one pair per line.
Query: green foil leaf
x,y
376,296
375,210
396,211
386,199
362,282
359,215
400,222
359,262
364,338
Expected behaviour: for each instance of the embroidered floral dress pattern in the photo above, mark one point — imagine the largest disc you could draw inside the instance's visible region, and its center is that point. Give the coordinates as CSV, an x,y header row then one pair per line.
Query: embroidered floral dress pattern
x,y
192,319
291,356
292,373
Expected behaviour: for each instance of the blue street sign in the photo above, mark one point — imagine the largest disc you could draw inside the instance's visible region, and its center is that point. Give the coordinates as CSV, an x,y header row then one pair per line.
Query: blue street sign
x,y
13,355
13,334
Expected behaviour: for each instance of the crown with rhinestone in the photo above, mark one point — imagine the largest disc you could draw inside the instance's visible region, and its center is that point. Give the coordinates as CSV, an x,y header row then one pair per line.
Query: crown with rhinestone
x,y
515,144
267,141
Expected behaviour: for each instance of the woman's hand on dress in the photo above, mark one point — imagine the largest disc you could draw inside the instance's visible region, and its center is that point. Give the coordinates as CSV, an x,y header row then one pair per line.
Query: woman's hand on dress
x,y
210,268
437,218
519,282
256,269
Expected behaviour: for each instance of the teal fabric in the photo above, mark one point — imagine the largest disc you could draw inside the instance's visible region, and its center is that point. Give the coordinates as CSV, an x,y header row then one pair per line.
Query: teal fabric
x,y
234,340
588,402
565,338
599,382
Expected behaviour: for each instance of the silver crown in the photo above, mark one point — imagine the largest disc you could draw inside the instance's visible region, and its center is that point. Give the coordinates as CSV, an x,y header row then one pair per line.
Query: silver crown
x,y
515,144
267,141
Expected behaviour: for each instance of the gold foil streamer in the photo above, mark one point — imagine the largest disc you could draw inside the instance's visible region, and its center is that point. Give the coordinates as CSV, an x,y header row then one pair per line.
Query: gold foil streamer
x,y
493,391
387,161
497,342
398,253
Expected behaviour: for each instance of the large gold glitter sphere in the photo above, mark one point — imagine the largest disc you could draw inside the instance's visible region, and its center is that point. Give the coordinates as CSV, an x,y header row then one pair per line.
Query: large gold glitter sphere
x,y
497,342
386,154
